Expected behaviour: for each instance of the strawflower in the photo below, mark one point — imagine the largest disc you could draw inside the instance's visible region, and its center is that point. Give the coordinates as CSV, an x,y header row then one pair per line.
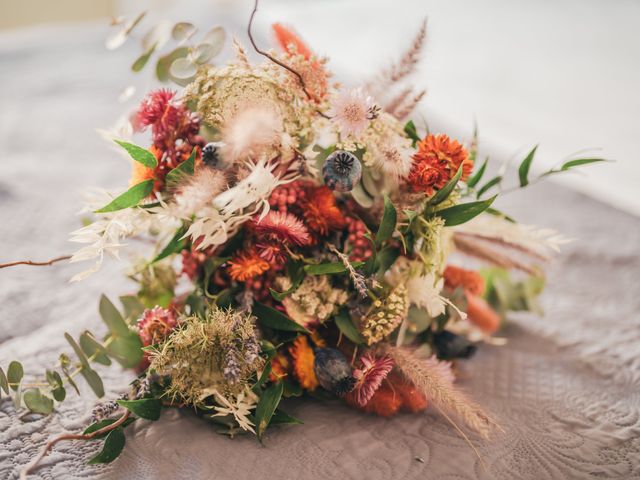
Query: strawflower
x,y
369,376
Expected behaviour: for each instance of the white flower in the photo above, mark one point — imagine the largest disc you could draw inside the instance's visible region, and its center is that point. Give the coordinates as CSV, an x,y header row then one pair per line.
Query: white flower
x,y
393,157
197,193
240,408
351,111
424,292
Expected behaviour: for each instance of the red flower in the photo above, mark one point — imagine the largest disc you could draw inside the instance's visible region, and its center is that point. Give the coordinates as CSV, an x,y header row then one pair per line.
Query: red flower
x,y
282,227
155,325
321,211
370,376
436,162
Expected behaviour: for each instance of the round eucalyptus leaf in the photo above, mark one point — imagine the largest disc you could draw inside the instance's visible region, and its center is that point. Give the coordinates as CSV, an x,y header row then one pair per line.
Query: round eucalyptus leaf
x,y
182,68
215,37
183,31
37,402
164,63
116,40
158,36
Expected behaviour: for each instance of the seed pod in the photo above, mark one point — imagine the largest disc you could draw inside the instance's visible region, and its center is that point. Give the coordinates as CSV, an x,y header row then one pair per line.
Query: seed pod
x,y
333,371
449,346
211,155
341,171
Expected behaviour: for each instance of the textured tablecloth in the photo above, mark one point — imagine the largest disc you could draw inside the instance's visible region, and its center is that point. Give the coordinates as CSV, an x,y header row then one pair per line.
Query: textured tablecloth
x,y
565,388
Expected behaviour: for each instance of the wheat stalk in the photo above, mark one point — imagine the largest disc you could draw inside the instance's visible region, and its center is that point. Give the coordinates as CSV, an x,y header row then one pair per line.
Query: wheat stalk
x,y
440,391
408,61
404,110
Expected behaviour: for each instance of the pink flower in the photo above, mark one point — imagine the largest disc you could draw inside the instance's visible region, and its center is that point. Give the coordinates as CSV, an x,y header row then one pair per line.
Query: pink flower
x,y
351,112
282,226
155,325
442,367
370,376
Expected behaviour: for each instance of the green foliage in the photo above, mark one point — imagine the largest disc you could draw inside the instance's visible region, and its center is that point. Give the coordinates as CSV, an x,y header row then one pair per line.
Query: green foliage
x,y
442,194
125,345
90,375
477,176
348,329
269,401
175,245
505,294
4,383
272,318
142,60
387,224
94,349
295,273
329,268
147,408
459,214
37,402
523,170
489,185
57,386
94,427
183,170
566,166
112,317
281,418
112,447
130,198
139,154
412,133
15,374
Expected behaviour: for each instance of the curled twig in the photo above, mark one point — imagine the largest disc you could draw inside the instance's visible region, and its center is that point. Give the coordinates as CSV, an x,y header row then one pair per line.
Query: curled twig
x,y
71,436
35,264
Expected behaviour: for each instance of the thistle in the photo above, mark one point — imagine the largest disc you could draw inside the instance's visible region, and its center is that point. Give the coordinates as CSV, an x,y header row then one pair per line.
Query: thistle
x,y
385,315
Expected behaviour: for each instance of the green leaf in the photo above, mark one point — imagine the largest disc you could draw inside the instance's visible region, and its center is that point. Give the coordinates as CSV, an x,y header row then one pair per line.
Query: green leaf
x,y
4,383
272,318
498,213
58,391
348,329
412,133
267,405
183,170
139,154
282,418
92,377
580,161
175,245
489,185
65,362
130,198
477,176
142,60
92,348
111,316
113,445
94,427
147,408
386,257
164,63
459,214
329,268
133,307
127,351
523,170
442,194
387,224
37,402
15,374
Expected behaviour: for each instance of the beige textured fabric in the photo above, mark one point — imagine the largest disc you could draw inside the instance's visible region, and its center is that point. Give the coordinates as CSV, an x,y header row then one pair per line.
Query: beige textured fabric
x,y
565,388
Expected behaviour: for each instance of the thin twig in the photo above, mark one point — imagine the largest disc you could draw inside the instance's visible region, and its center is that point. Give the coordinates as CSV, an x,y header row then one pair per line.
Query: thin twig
x,y
35,264
71,436
278,62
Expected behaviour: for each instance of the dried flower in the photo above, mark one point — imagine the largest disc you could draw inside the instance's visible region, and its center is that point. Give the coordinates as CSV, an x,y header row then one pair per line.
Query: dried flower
x,y
281,227
480,313
314,301
239,407
303,362
351,111
369,376
470,280
321,211
360,246
194,356
333,371
436,162
155,325
424,292
385,315
250,133
290,42
341,171
246,265
196,194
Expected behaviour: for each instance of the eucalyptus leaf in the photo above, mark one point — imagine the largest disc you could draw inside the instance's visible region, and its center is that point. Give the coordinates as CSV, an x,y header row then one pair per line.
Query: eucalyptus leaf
x,y
387,224
112,447
272,318
37,402
142,60
360,195
348,329
4,383
93,348
462,213
15,374
215,38
133,307
94,380
164,63
523,170
127,351
59,394
182,68
183,31
269,401
147,408
130,198
139,154
112,318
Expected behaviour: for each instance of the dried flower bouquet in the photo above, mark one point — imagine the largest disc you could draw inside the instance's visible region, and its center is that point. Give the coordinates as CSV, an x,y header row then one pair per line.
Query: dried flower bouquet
x,y
307,241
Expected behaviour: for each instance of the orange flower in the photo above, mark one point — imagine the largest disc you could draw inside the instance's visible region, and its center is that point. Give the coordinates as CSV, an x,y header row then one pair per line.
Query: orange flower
x,y
481,314
394,394
321,211
286,38
470,280
247,265
140,173
303,358
279,367
436,162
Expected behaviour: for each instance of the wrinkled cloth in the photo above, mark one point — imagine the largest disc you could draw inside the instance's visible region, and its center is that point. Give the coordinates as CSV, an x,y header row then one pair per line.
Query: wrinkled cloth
x,y
565,388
